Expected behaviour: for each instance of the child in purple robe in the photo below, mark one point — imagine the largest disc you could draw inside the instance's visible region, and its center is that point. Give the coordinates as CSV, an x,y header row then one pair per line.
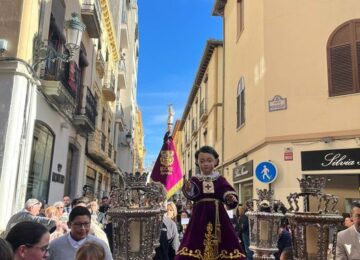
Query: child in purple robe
x,y
210,234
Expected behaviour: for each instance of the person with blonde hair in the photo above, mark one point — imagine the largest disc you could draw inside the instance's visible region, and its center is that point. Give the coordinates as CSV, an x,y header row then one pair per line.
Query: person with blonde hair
x,y
61,228
97,216
171,210
90,251
50,212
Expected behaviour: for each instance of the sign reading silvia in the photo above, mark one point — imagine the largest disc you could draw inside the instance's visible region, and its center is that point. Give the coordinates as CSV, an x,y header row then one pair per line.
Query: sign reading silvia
x,y
340,159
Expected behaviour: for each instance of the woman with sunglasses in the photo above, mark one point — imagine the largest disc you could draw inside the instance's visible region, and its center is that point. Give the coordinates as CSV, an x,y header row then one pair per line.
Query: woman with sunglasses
x,y
29,241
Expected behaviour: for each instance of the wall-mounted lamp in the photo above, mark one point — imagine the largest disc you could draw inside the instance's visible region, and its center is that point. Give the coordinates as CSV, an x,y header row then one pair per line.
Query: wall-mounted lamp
x,y
73,32
59,167
328,139
128,137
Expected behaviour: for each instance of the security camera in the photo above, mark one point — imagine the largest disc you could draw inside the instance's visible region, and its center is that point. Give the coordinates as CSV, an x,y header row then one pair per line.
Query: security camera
x,y
3,45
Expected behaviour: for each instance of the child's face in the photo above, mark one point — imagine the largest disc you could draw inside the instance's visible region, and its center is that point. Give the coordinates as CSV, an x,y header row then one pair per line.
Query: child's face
x,y
206,163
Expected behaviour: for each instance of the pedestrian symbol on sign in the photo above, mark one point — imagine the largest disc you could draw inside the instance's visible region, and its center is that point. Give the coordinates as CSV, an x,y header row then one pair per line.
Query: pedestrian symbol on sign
x,y
266,172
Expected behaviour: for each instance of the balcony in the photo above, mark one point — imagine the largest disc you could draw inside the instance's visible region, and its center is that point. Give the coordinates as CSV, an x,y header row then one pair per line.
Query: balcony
x,y
100,64
122,74
119,117
60,83
124,37
203,110
98,150
108,89
91,16
85,115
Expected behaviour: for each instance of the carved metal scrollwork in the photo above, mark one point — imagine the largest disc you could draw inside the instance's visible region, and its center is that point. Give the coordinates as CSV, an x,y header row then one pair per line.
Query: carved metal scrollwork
x,y
136,216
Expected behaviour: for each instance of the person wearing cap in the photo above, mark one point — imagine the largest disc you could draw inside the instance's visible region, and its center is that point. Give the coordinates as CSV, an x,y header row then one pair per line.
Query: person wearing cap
x,y
30,213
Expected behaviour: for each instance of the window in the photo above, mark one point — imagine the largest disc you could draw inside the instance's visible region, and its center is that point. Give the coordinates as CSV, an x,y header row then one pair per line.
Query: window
x,y
240,17
343,52
41,160
240,103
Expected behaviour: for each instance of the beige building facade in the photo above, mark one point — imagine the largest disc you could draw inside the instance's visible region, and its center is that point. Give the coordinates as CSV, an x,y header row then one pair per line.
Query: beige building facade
x,y
139,148
291,93
60,123
201,122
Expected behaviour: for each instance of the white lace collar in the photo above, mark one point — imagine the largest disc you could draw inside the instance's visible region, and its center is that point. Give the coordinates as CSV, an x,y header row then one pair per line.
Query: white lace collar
x,y
211,177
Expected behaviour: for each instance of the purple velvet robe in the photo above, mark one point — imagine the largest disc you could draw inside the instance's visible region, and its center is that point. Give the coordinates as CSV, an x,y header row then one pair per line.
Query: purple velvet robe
x,y
210,234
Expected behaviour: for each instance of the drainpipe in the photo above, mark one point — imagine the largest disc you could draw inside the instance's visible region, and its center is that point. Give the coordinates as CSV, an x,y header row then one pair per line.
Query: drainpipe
x,y
223,103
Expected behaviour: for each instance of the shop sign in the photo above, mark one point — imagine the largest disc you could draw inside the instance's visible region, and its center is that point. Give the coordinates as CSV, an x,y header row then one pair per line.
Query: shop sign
x,y
277,103
288,154
243,171
339,159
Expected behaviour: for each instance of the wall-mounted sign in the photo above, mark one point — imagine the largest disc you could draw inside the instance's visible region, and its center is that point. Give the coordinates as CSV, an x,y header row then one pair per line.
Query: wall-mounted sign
x,y
277,103
340,159
288,154
57,177
266,172
243,171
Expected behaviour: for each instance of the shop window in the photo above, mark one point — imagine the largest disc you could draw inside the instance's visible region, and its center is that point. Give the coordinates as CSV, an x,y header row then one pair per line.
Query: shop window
x,y
343,53
41,160
240,103
246,191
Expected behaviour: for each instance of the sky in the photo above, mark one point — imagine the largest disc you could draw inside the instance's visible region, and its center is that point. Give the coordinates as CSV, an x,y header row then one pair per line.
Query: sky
x,y
172,38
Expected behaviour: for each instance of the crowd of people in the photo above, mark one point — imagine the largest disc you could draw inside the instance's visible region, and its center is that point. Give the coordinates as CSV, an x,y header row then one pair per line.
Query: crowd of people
x,y
198,226
67,229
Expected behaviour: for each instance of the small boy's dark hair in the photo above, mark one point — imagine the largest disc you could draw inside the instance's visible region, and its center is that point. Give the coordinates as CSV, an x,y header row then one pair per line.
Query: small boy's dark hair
x,y
79,211
105,197
206,149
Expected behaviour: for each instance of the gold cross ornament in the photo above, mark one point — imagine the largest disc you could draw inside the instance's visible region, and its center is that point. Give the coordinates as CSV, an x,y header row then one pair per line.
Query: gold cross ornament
x,y
208,187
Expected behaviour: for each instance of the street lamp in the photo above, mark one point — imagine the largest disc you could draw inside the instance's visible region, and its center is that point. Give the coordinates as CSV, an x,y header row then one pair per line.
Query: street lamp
x,y
73,32
128,137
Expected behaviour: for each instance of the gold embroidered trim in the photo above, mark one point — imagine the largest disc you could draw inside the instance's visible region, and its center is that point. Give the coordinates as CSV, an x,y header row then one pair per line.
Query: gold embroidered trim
x,y
211,248
186,251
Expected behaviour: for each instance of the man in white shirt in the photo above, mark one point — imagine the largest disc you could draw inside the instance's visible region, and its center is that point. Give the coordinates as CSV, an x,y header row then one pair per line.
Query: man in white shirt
x,y
348,240
65,247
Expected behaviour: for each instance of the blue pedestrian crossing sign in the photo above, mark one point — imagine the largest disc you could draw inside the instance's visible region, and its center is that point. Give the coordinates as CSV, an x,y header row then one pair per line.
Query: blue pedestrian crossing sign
x,y
266,172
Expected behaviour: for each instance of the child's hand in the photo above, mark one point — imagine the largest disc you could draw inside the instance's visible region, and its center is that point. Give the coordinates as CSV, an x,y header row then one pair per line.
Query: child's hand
x,y
230,199
188,186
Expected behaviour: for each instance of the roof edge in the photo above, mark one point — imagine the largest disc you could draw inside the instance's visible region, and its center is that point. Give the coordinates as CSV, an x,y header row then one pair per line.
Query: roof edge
x,y
211,44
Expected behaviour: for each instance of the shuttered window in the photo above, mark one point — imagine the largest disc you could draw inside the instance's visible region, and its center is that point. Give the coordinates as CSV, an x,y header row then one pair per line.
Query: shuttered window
x,y
240,103
344,59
